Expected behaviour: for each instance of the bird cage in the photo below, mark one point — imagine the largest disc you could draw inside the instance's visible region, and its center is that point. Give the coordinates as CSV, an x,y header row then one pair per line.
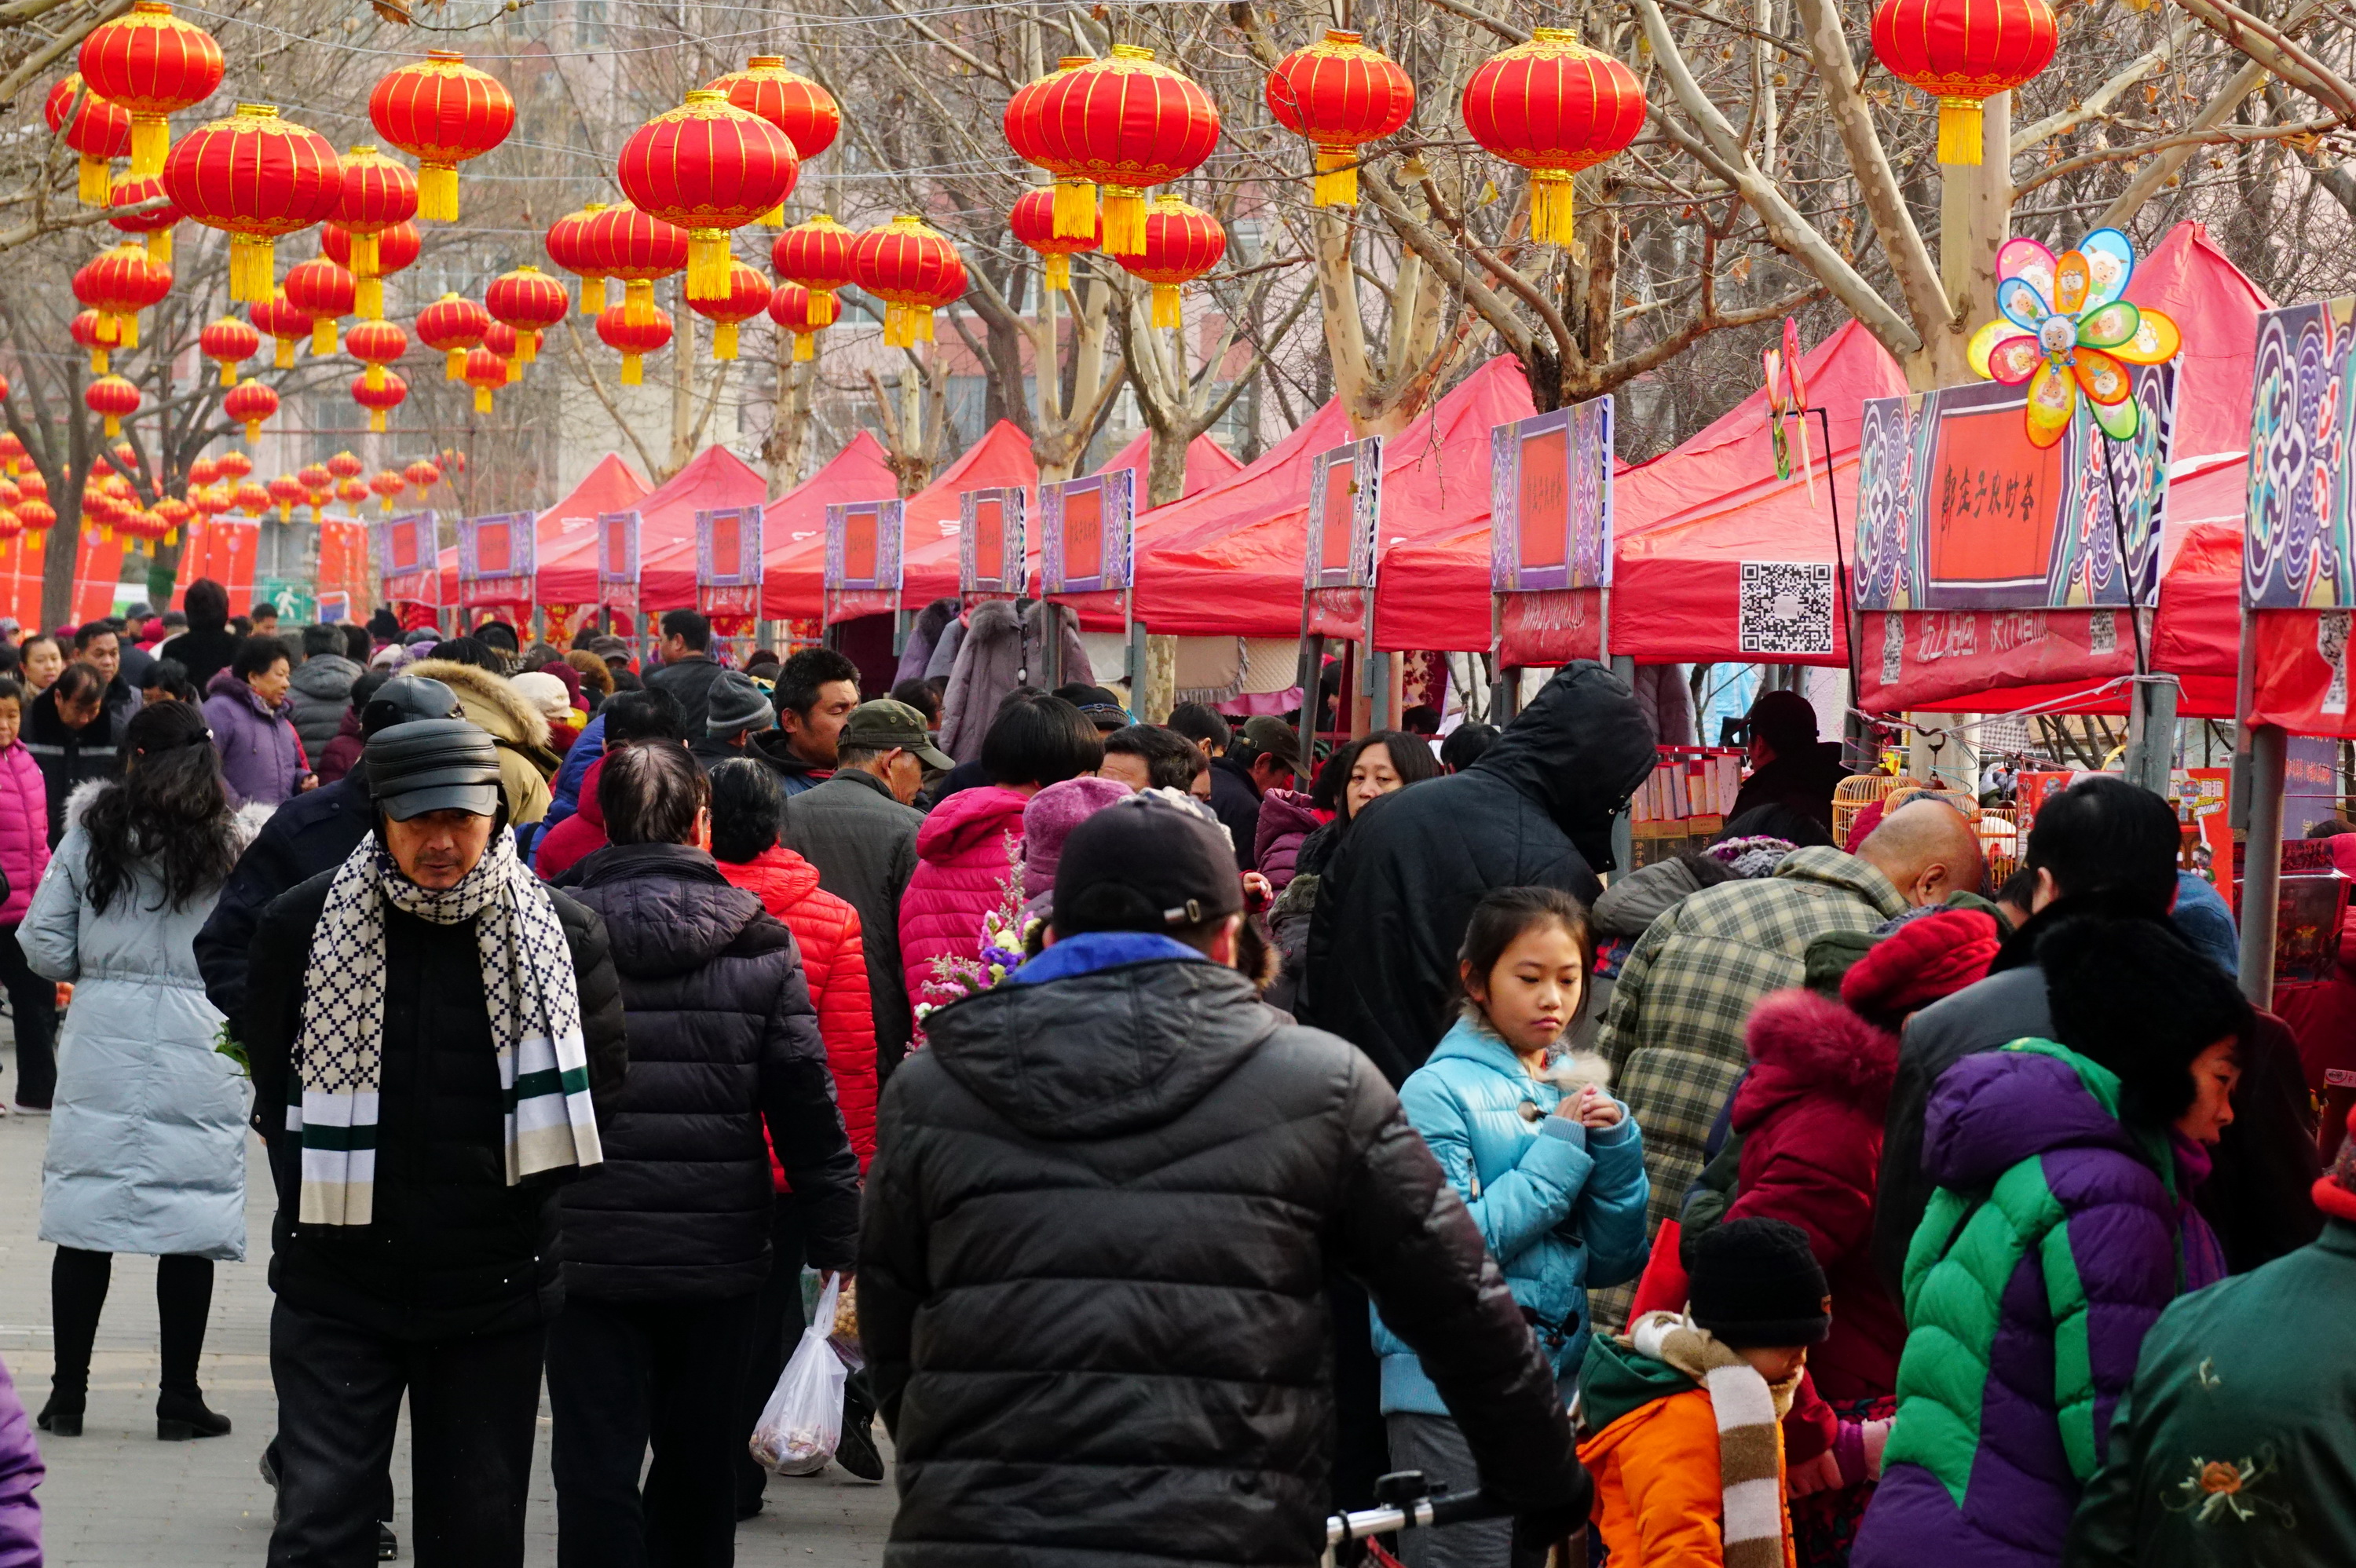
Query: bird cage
x,y
1857,792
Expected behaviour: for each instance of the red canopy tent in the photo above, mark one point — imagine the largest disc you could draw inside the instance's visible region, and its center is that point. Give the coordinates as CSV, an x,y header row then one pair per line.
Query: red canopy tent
x,y
1208,464
712,477
793,527
928,540
568,531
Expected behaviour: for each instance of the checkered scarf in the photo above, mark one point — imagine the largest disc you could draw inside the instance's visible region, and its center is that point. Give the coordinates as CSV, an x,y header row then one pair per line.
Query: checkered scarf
x,y
535,1016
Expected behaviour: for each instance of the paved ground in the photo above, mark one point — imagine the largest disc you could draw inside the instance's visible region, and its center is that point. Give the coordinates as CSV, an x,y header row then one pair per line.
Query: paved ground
x,y
116,1498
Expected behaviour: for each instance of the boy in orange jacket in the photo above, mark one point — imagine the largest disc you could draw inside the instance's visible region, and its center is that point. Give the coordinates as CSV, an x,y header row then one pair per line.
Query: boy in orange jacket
x,y
1680,1417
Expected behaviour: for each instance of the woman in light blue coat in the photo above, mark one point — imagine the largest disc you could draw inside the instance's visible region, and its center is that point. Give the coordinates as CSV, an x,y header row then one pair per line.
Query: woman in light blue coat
x,y
1555,1178
146,1148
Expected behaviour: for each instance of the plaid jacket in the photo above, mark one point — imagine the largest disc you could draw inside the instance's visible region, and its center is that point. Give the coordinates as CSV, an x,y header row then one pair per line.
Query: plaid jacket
x,y
1674,1034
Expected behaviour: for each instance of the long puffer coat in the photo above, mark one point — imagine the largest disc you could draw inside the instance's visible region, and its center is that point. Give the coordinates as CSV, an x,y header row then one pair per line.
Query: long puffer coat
x,y
1809,1111
2057,1235
1070,1379
1561,1206
146,1148
24,829
1535,810
834,967
1001,647
723,1039
318,699
963,860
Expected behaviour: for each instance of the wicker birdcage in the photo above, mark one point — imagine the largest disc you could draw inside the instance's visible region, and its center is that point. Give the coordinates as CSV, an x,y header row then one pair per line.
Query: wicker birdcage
x,y
1857,792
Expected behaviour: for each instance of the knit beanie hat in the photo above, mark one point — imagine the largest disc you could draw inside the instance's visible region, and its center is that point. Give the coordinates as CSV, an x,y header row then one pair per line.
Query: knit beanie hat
x,y
2334,1189
545,693
1049,820
1753,1284
1757,856
737,705
1919,962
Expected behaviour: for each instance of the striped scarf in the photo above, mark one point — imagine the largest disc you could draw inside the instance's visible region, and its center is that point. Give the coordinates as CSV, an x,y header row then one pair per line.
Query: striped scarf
x,y
1750,1440
535,1017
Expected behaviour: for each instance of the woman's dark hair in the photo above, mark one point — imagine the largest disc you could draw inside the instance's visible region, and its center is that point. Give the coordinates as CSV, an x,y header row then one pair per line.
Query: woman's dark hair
x,y
746,805
1464,744
1776,820
1411,759
207,604
169,677
1498,922
1169,757
369,683
472,651
255,655
29,644
357,644
168,815
2133,995
11,690
643,716
919,695
649,795
1039,740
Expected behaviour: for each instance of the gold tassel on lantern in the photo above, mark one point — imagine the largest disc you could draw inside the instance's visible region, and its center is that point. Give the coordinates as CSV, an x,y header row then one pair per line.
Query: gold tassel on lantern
x,y
921,316
1124,221
1075,214
113,427
437,193
482,399
1337,178
151,138
253,432
1165,305
707,263
229,372
1059,272
638,302
515,362
376,427
1959,130
283,358
364,257
323,336
805,345
98,360
1551,215
592,294
453,365
368,298
252,269
127,330
775,218
374,378
159,247
634,370
93,181
528,345
724,340
823,311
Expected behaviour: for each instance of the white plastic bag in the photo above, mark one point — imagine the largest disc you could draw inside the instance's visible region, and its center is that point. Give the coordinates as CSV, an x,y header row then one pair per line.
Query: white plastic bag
x,y
803,1421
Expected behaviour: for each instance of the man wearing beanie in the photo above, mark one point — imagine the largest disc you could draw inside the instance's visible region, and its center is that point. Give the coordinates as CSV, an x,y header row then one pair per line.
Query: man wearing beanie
x,y
2231,1448
1115,1189
739,710
1681,1415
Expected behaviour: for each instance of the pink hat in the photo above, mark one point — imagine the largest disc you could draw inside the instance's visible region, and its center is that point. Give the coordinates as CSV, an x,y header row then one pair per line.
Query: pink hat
x,y
1049,820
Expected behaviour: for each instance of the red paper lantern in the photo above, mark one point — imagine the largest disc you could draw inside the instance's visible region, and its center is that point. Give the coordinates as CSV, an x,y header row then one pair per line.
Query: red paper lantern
x,y
211,500
790,308
374,343
748,296
99,132
633,339
1340,94
287,493
486,370
441,111
913,270
1033,222
119,283
234,465
153,64
638,248
380,194
11,525
1181,243
1074,198
709,167
816,255
387,483
96,333
203,471
351,493
453,323
257,178
39,517
528,301
12,453
379,400
277,319
1124,123
568,247
251,499
396,249
422,475
314,476
228,342
1962,52
112,399
504,341
344,465
249,403
177,515
795,104
154,225
324,291
1554,106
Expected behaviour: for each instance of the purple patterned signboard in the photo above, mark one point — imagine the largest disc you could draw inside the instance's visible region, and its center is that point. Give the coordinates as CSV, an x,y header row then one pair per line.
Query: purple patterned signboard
x,y
617,559
1088,533
728,562
1345,510
863,558
498,558
2296,550
1550,500
406,558
991,540
1959,510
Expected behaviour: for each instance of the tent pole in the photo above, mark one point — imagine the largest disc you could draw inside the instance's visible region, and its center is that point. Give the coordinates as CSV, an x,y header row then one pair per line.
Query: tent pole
x,y
2262,873
1623,826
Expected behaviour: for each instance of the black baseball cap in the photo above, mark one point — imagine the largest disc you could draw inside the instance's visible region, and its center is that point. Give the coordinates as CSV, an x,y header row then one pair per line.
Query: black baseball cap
x,y
406,698
433,765
1146,863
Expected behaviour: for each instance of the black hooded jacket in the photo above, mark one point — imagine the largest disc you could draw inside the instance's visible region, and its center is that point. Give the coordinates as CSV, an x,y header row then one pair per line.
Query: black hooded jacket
x,y
1100,1222
314,832
1535,811
723,1039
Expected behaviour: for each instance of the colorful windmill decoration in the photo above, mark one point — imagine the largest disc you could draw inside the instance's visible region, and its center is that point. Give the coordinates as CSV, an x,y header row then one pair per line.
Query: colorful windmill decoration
x,y
2065,329
1787,398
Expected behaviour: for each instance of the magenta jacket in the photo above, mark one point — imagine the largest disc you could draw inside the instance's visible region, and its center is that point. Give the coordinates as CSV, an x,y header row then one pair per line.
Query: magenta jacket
x,y
962,865
24,829
20,1471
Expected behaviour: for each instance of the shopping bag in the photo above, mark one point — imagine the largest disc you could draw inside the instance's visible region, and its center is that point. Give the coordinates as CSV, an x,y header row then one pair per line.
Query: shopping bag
x,y
803,1421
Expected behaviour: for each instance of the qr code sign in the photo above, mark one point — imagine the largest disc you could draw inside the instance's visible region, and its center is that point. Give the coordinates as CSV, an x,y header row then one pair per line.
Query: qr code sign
x,y
1786,607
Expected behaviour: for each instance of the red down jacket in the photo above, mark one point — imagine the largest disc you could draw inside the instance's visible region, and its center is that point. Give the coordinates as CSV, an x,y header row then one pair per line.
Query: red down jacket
x,y
963,860
834,964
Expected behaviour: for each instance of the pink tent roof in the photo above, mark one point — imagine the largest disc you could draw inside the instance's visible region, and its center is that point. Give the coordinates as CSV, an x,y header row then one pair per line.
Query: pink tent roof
x,y
928,548
712,477
1208,463
793,527
568,531
1233,565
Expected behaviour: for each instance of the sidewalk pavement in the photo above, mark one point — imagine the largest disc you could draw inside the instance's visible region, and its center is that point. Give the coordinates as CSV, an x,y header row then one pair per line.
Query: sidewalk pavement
x,y
116,1498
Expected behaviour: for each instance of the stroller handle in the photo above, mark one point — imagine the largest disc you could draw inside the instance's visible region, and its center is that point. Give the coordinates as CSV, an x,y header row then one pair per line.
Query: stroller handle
x,y
1442,1508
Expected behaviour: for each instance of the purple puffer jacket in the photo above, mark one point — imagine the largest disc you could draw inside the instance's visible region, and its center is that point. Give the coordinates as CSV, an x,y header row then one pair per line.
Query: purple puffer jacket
x,y
2049,1252
20,1471
1286,819
260,756
24,829
961,869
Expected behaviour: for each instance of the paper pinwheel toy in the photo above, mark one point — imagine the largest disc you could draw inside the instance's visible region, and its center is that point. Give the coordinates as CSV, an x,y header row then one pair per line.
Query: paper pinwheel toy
x,y
2065,330
1787,397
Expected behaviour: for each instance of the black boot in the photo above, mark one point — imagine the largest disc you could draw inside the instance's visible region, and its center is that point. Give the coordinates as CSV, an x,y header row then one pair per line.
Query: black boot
x,y
180,1416
61,1417
856,1452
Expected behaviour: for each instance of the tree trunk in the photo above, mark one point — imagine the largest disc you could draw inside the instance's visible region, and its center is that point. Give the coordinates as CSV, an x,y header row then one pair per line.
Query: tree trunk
x,y
682,391
1165,471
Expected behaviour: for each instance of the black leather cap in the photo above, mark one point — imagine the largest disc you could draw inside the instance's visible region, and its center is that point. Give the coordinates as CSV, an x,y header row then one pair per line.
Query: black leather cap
x,y
433,765
406,698
1146,863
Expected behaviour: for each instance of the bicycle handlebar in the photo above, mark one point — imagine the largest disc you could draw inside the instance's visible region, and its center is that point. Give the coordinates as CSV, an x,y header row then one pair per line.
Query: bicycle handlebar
x,y
1440,1507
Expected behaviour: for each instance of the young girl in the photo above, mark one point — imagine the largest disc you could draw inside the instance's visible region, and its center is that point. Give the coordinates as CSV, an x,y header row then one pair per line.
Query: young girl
x,y
24,855
1548,1161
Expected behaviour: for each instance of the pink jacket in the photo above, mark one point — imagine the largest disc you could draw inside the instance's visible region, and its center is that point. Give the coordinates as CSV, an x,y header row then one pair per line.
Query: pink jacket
x,y
962,864
24,829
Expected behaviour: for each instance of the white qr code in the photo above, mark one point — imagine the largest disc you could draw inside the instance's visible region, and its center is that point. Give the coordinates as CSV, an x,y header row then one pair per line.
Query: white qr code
x,y
1786,607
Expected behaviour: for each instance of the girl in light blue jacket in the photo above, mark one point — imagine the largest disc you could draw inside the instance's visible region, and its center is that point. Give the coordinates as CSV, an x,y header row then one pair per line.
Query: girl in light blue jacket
x,y
1551,1165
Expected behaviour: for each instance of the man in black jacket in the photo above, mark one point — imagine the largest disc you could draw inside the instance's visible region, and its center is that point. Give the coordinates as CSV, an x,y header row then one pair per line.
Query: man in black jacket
x,y
1113,1191
73,737
687,670
666,1247
1235,793
421,1120
1789,765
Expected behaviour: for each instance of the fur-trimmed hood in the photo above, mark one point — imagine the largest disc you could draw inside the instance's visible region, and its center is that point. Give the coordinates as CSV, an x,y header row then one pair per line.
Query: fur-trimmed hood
x,y
1802,1044
243,829
483,693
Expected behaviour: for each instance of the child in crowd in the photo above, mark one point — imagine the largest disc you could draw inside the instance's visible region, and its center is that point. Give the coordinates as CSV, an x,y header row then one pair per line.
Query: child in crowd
x,y
24,855
1680,1418
1550,1164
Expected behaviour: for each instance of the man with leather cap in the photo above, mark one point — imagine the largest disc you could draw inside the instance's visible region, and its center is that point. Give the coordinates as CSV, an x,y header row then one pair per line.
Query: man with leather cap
x,y
435,1038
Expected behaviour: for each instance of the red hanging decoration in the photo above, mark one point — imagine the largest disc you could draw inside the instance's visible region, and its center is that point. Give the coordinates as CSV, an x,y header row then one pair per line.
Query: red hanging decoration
x,y
486,371
1181,243
913,270
422,475
452,325
277,319
376,344
326,293
153,64
380,194
748,296
795,104
441,111
1555,107
119,283
1962,52
99,132
249,403
95,333
527,301
257,178
638,248
381,400
816,255
113,400
1340,94
1123,123
568,247
1033,222
386,483
790,308
709,167
154,225
230,343
633,339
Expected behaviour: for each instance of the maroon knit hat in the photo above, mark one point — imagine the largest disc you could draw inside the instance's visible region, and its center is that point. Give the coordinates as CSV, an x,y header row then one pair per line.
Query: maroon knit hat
x,y
1921,962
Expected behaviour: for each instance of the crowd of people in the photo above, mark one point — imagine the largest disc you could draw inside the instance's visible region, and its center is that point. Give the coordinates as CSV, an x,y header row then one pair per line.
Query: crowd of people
x,y
1200,1123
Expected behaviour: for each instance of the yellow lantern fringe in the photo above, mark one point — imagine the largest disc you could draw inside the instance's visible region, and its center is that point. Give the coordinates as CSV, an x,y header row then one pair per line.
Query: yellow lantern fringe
x,y
376,427
253,432
1059,272
229,372
515,364
1552,217
113,426
368,299
805,346
592,294
98,364
775,218
437,193
1337,178
528,345
724,340
482,399
151,138
374,378
285,512
453,365
638,302
283,357
633,370
253,268
1165,305
93,181
1124,220
159,247
364,256
707,263
1959,130
171,535
126,331
823,310
1075,214
323,336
